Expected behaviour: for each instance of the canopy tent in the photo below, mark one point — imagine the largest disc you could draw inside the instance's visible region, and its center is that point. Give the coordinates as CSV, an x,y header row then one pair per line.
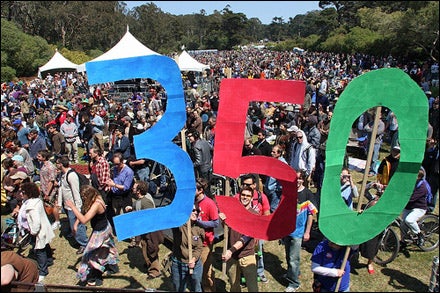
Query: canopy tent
x,y
188,63
127,47
57,63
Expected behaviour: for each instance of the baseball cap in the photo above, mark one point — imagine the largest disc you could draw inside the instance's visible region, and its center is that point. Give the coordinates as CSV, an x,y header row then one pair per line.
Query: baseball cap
x,y
127,118
17,121
293,128
19,175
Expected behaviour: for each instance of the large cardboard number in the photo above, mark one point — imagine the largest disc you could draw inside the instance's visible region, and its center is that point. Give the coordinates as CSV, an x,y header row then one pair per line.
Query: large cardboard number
x,y
235,95
156,143
395,90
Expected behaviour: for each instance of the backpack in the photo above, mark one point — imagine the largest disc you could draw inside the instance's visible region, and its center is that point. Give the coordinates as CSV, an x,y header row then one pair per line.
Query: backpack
x,y
429,196
83,180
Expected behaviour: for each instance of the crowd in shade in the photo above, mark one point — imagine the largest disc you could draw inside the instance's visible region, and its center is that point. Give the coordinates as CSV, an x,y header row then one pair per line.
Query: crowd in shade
x,y
47,122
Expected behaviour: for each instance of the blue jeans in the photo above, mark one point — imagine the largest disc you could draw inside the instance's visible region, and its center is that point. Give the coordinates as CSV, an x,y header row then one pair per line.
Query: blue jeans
x,y
292,247
181,277
274,198
260,260
80,235
44,259
375,157
144,174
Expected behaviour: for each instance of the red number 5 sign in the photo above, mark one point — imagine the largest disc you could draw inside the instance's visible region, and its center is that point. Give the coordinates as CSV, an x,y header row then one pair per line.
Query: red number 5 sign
x,y
235,95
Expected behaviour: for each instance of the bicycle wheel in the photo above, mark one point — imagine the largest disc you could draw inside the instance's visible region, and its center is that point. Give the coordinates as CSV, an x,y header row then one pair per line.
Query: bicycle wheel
x,y
429,226
388,247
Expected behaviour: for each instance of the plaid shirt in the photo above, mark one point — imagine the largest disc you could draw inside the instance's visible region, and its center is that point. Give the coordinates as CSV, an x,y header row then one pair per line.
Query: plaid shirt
x,y
102,170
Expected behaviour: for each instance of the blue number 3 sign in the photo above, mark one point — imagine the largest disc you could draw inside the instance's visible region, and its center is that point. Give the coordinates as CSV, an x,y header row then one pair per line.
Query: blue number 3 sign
x,y
156,143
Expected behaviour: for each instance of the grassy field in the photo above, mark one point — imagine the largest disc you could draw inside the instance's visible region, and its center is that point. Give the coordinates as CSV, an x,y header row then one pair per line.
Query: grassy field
x,y
410,272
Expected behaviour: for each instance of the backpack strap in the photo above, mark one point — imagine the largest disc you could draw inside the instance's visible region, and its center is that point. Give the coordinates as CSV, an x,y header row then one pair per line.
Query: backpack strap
x,y
67,177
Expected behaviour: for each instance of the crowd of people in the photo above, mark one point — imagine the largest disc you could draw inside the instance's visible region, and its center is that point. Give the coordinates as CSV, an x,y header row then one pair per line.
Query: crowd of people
x,y
46,122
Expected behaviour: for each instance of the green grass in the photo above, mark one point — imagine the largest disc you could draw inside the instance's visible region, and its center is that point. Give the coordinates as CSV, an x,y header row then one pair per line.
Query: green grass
x,y
410,272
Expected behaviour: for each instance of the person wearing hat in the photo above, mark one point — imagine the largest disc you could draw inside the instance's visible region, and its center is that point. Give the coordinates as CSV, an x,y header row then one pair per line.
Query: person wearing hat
x,y
25,158
70,132
289,139
61,114
18,162
302,155
14,196
22,133
392,126
98,126
36,144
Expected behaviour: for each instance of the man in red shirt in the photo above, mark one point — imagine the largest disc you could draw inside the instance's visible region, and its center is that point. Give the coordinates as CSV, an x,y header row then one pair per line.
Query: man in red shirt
x,y
99,171
208,219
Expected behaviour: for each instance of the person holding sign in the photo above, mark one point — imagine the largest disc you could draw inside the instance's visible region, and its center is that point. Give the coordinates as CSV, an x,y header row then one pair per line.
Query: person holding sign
x,y
327,261
208,220
186,270
241,252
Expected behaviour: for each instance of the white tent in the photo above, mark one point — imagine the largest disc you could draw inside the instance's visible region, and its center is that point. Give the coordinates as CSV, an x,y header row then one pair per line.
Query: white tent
x,y
188,63
57,62
127,47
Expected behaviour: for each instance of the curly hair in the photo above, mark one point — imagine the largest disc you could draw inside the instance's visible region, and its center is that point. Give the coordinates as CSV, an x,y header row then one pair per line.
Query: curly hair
x,y
89,194
30,189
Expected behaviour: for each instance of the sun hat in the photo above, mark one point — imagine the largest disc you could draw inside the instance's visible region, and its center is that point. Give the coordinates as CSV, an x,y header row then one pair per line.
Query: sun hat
x,y
19,175
18,158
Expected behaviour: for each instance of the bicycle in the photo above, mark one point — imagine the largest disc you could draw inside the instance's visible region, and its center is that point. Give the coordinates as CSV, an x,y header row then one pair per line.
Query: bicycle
x,y
389,245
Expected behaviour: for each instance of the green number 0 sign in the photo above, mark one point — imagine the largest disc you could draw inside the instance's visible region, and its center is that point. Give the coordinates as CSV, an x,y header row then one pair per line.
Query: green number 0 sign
x,y
394,89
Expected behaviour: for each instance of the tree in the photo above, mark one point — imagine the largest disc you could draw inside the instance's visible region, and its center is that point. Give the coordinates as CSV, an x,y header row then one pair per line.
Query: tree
x,y
20,52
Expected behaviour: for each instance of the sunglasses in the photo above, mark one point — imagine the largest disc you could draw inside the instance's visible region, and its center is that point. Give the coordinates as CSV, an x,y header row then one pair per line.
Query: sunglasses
x,y
247,184
246,195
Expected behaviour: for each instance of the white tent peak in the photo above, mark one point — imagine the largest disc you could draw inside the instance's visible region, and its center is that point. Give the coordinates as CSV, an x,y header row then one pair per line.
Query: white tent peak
x,y
188,63
127,47
57,61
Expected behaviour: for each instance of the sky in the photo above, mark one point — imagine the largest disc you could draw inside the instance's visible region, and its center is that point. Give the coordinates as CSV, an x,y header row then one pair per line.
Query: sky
x,y
263,10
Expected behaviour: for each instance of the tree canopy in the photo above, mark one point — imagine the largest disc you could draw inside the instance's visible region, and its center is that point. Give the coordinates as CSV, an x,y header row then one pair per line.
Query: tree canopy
x,y
82,30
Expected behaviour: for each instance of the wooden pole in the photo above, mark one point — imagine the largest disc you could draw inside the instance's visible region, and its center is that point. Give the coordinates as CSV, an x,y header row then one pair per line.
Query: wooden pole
x,y
225,231
188,224
369,156
183,139
364,181
344,262
190,255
